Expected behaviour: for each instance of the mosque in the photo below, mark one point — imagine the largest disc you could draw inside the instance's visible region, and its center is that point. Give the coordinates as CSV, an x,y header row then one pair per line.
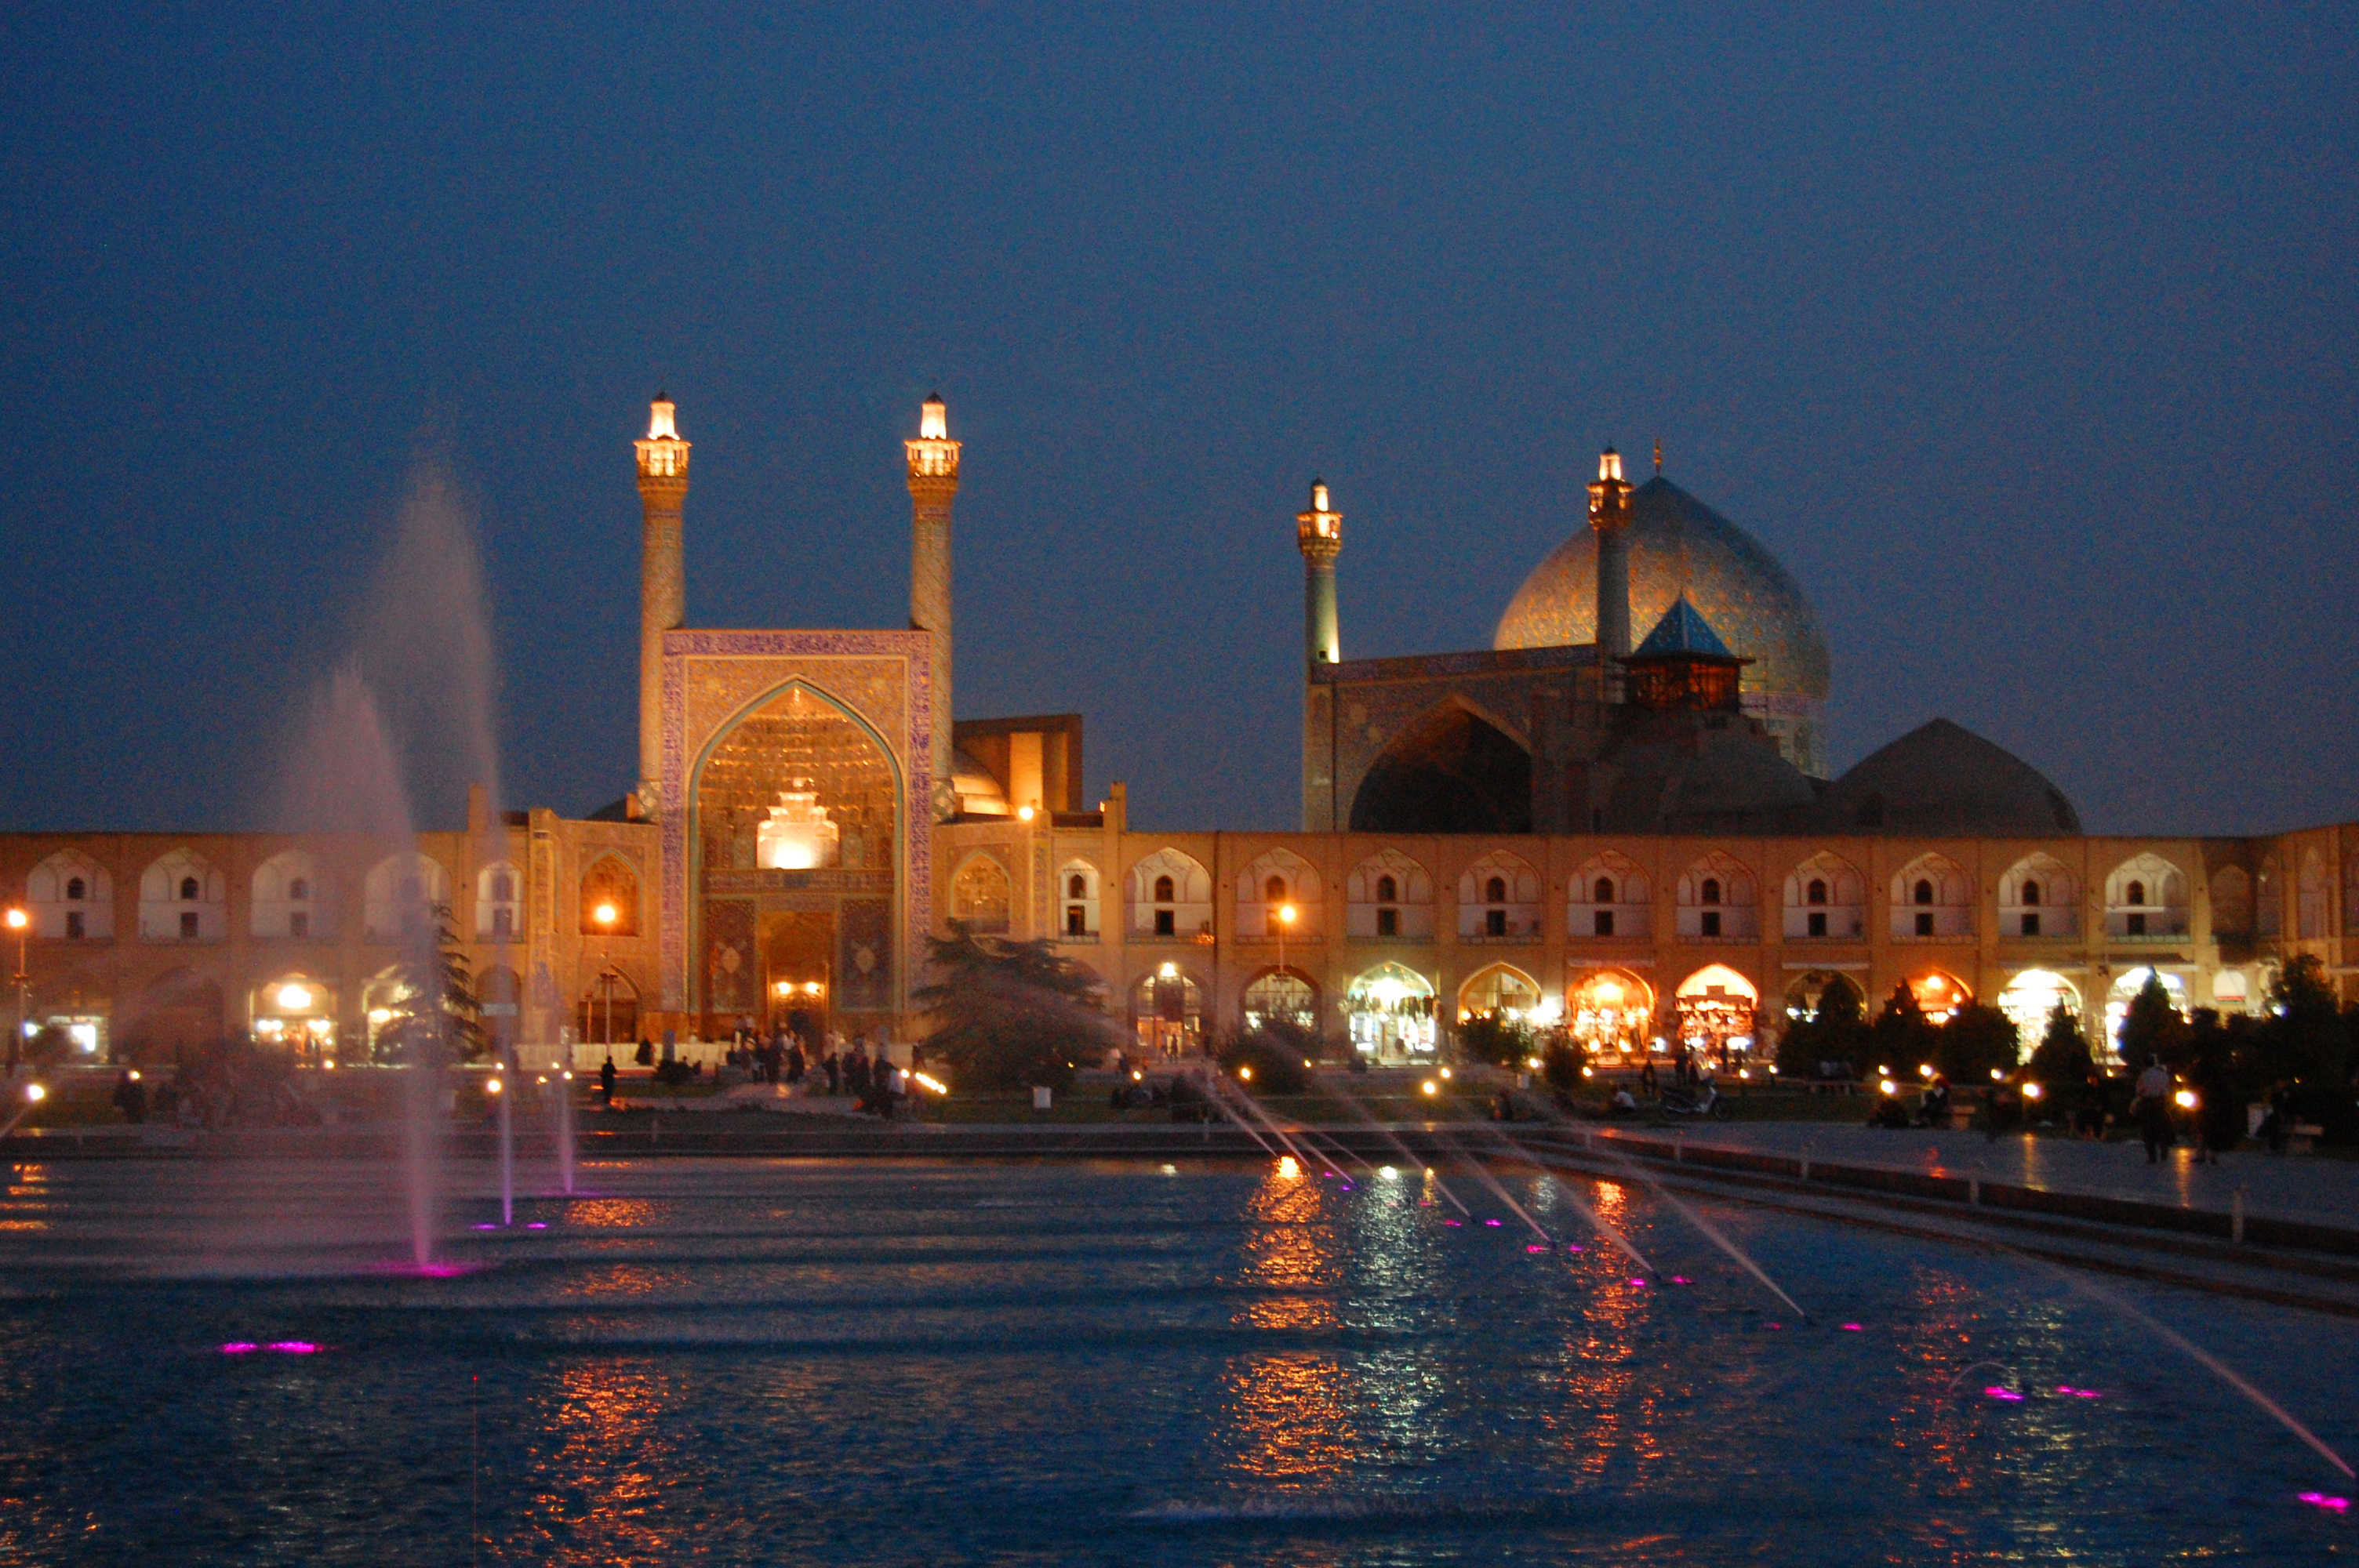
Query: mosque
x,y
1617,818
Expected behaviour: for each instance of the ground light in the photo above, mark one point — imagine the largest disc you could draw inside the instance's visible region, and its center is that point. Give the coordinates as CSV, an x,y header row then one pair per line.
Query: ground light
x,y
2185,1098
1429,1086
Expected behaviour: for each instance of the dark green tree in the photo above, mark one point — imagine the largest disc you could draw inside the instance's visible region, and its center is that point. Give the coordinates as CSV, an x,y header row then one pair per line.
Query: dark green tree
x,y
1900,1038
1010,1015
1278,1053
1836,1032
2305,1045
2060,1063
1974,1041
441,1019
2153,1027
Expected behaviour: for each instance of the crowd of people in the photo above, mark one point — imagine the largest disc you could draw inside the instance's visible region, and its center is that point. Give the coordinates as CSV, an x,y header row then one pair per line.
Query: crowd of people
x,y
821,1063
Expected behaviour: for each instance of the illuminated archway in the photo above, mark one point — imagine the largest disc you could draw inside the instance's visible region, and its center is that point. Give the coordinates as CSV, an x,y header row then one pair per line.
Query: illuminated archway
x,y
2125,987
2029,999
1610,1012
1167,1010
1501,990
1939,994
1390,1012
1716,1008
297,1011
1282,996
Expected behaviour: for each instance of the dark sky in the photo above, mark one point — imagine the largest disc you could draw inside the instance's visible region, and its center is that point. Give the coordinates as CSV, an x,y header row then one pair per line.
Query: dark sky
x,y
2024,339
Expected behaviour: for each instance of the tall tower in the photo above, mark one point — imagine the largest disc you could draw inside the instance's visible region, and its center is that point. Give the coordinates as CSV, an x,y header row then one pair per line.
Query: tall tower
x,y
933,485
663,592
1320,532
1609,514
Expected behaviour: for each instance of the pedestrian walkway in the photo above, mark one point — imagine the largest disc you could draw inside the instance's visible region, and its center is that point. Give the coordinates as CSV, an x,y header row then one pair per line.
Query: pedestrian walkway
x,y
2311,1189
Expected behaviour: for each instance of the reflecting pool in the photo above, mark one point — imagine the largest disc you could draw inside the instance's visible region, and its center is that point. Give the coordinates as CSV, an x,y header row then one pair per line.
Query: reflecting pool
x,y
735,1361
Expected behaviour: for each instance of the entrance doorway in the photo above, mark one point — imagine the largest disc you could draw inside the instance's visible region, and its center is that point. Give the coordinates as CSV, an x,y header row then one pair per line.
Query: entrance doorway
x,y
799,974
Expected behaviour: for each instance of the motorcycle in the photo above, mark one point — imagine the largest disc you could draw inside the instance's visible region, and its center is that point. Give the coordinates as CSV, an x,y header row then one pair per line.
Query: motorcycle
x,y
1711,1104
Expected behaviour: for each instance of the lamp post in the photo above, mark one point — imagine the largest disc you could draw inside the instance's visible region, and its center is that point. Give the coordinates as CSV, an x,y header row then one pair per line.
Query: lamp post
x,y
19,922
605,915
1287,916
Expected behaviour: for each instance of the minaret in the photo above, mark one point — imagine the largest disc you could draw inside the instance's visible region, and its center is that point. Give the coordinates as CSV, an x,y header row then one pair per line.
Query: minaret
x,y
1609,514
663,593
933,485
1320,532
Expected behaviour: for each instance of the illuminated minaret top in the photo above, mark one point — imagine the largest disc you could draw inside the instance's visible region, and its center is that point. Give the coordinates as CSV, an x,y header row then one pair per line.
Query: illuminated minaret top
x,y
1609,515
1320,534
663,592
933,486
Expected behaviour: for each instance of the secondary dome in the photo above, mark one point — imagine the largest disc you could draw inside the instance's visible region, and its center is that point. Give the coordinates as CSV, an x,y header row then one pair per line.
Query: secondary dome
x,y
1679,544
1941,780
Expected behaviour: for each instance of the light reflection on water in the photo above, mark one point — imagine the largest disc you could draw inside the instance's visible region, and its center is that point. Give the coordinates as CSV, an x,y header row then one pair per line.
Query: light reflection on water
x,y
717,1362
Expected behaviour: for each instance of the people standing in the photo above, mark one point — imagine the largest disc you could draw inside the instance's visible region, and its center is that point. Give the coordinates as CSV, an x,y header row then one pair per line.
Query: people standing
x,y
2153,1109
606,1081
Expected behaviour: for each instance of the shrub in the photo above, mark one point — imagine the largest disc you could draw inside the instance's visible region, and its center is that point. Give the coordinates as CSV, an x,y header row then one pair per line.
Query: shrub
x,y
1275,1053
1495,1038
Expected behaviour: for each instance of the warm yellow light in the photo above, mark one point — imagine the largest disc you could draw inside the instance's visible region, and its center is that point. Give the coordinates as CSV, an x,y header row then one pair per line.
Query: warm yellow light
x,y
2032,1091
1137,1075
294,998
1169,972
660,424
380,1015
810,988
1889,1086
17,919
1925,1070
1587,1071
2186,1098
605,915
1609,464
1608,993
1245,1071
1023,813
133,1075
927,1082
1998,1076
1429,1086
1286,1167
491,1085
1287,913
34,1093
1445,1072
933,420
330,1064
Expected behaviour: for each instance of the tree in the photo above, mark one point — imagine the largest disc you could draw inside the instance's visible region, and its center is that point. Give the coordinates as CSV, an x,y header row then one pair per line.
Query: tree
x,y
1975,1042
1835,1033
2152,1026
2304,1044
2061,1060
1010,1015
1495,1038
441,1021
1900,1038
1278,1054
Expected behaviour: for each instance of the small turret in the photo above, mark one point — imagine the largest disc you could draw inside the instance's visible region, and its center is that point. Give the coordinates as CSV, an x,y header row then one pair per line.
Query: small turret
x,y
663,589
1320,534
933,460
1609,516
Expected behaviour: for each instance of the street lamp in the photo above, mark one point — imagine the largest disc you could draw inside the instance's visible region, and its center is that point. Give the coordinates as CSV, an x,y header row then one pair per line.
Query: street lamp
x,y
1287,916
19,922
605,915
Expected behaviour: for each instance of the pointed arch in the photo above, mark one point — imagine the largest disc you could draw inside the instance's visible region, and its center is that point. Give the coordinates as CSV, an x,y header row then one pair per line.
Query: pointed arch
x,y
1500,989
400,893
1079,900
2269,900
1826,899
1609,896
2232,902
981,893
1272,880
1389,895
1388,1011
2145,896
1170,895
1719,900
610,881
2313,898
71,898
1454,768
1499,899
1932,901
290,899
2038,896
499,903
183,897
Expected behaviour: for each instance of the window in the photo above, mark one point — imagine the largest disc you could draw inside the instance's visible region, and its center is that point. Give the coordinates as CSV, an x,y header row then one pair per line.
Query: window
x,y
1496,891
1387,890
1710,893
1924,921
1817,894
1712,923
1922,893
2134,923
1076,919
2136,891
298,925
2030,923
2031,894
1387,920
1602,894
504,888
188,925
1605,918
189,890
1166,922
74,931
1274,890
1163,892
76,889
299,888
1077,886
504,922
1818,920
1495,922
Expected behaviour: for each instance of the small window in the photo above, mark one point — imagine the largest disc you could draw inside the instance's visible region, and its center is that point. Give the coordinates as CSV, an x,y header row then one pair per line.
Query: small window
x,y
188,925
2030,923
1387,890
1605,922
1077,922
2030,893
298,925
1711,895
1496,891
76,889
1388,921
2135,892
1274,889
301,889
502,888
1163,890
1712,923
1924,923
1818,923
2137,926
1494,923
1166,923
1077,886
504,922
74,929
189,890
1923,891
1604,891
1816,893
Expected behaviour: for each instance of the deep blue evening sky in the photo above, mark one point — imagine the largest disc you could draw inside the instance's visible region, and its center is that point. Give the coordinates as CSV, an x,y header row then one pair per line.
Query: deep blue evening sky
x,y
2025,341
